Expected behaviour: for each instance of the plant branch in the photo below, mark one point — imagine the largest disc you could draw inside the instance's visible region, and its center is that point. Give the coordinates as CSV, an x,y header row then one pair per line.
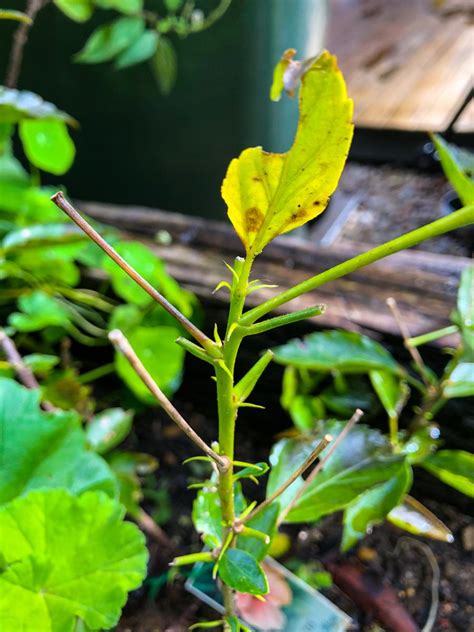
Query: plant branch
x,y
60,201
463,217
413,351
122,345
337,441
325,441
25,375
19,41
281,321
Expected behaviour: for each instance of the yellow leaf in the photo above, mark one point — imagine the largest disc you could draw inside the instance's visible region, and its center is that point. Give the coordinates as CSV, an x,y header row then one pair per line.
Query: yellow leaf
x,y
270,194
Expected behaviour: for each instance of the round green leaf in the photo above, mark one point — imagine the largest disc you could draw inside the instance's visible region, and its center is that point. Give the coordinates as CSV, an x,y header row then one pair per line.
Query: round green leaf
x,y
66,557
239,570
44,449
47,145
108,429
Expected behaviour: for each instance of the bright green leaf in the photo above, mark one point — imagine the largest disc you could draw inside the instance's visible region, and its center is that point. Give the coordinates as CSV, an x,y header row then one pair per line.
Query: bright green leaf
x,y
207,515
67,557
165,65
47,145
264,521
461,381
458,166
420,444
40,362
391,391
415,518
163,359
45,235
270,194
239,570
286,456
139,51
465,307
39,310
109,428
77,10
453,467
109,40
44,449
372,506
344,351
17,105
128,7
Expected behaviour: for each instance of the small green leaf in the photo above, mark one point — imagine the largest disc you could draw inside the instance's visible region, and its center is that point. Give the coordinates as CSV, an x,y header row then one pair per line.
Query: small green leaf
x,y
420,444
173,5
39,310
17,16
264,521
239,570
415,518
163,359
461,381
165,65
207,515
465,308
391,391
77,10
40,363
44,235
372,506
109,40
139,51
270,194
109,428
47,145
17,105
128,7
67,557
44,449
347,352
453,467
458,166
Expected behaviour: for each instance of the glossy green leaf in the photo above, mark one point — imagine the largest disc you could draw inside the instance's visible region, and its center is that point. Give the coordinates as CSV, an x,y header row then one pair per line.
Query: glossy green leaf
x,y
454,467
109,428
265,521
270,194
391,391
107,41
47,145
458,166
420,444
45,235
165,65
207,515
17,16
239,570
372,506
44,449
465,308
156,348
17,105
344,351
141,50
356,394
415,518
38,310
40,363
332,492
304,412
77,10
67,557
286,456
461,381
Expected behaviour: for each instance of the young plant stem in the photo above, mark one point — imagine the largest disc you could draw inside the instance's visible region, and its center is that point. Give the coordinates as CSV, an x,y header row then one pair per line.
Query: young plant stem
x,y
19,41
60,201
123,346
337,441
413,351
25,375
325,441
463,217
417,341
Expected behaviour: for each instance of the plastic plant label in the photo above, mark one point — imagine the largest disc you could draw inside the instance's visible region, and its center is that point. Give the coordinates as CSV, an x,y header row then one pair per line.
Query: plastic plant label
x,y
291,605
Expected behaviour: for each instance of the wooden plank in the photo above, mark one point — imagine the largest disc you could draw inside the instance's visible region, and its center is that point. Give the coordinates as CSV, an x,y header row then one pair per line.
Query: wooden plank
x,y
407,66
423,283
465,123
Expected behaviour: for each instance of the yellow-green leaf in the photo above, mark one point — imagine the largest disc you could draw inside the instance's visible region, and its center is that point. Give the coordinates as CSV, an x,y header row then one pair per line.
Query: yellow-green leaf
x,y
270,194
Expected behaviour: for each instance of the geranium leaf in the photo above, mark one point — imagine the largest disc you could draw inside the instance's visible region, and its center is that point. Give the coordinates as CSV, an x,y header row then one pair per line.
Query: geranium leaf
x,y
44,449
71,557
239,570
270,194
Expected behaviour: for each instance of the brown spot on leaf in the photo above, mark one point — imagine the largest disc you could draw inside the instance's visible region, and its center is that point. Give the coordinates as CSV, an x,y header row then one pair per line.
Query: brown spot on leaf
x,y
253,219
316,203
256,179
299,214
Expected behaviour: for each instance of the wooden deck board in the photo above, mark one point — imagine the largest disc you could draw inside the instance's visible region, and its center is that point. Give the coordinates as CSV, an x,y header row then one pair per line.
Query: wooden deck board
x,y
408,66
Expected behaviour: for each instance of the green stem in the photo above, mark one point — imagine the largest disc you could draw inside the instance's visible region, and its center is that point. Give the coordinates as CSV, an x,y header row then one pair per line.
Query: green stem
x,y
432,335
227,403
97,373
460,218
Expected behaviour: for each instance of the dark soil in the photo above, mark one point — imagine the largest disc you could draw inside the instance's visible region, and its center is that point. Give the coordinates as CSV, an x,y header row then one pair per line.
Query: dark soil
x,y
389,554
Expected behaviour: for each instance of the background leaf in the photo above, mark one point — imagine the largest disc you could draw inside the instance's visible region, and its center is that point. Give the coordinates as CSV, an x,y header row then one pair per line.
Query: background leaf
x,y
71,557
47,145
458,166
141,50
460,383
77,10
454,467
107,41
39,310
17,105
44,449
165,65
109,428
